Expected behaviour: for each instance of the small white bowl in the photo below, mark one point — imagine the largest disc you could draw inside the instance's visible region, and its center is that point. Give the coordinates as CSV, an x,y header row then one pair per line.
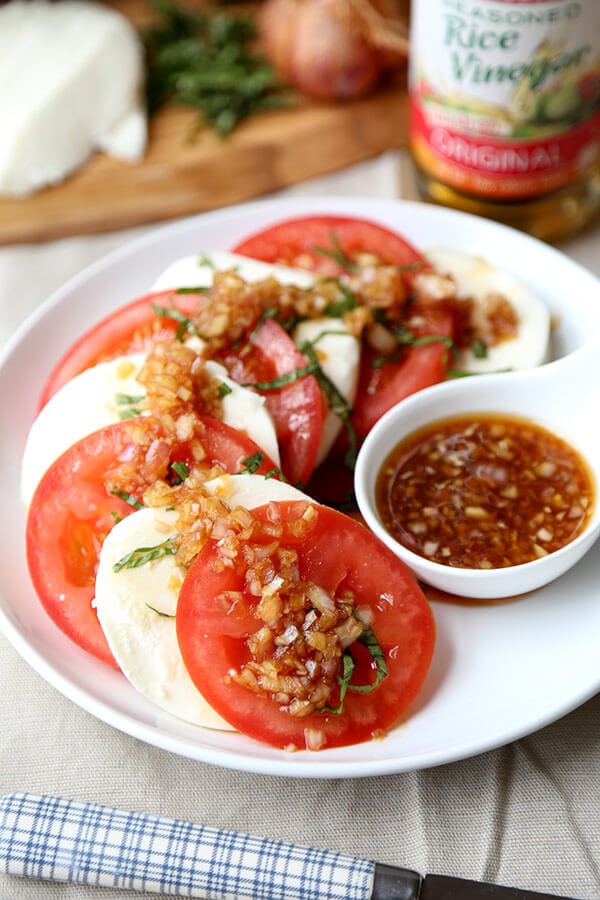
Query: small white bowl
x,y
563,397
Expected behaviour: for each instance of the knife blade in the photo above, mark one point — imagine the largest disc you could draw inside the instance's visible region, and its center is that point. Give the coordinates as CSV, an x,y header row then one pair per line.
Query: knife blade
x,y
57,839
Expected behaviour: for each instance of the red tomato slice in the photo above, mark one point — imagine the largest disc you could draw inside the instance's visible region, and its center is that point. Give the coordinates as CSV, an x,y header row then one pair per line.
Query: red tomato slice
x,y
130,329
296,408
72,512
338,554
380,388
293,243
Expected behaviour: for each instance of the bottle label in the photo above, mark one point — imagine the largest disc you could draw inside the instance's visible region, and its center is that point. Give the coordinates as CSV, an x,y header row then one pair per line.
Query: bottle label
x,y
505,96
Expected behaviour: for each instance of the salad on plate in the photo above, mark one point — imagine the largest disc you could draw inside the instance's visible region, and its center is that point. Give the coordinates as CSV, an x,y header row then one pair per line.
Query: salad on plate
x,y
188,475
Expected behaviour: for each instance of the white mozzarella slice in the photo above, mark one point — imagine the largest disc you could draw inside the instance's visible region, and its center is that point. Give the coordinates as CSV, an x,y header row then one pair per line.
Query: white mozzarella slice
x,y
339,357
246,411
198,271
477,279
71,77
88,402
136,606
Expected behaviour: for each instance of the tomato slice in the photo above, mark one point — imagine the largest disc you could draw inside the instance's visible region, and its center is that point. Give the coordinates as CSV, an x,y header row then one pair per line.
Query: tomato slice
x,y
72,511
294,242
382,386
130,329
296,408
338,554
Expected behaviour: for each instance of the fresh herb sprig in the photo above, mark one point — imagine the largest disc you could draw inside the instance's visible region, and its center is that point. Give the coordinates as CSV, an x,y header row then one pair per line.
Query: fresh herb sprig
x,y
204,59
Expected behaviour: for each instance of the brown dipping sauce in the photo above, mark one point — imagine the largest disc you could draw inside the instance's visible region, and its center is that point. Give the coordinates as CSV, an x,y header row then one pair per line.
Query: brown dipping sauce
x,y
484,491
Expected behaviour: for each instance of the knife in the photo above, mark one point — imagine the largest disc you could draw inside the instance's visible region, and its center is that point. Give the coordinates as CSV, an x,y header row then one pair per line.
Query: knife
x,y
58,839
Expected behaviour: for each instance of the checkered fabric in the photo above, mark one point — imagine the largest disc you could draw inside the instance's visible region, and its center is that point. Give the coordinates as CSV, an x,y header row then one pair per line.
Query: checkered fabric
x,y
63,840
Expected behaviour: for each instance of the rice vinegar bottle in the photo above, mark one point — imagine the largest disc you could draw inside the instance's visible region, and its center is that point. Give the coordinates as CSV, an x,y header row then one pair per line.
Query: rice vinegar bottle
x,y
505,110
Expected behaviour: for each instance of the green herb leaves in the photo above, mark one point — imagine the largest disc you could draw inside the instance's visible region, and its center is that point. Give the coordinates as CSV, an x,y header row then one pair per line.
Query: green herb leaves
x,y
336,253
338,404
185,326
129,402
142,555
370,642
203,59
252,464
128,498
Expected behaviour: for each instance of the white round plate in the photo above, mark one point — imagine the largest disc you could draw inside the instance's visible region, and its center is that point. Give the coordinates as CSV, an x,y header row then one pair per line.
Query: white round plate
x,y
499,671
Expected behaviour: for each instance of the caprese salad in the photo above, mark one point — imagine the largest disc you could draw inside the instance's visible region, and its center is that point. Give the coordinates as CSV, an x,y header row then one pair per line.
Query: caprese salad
x,y
188,451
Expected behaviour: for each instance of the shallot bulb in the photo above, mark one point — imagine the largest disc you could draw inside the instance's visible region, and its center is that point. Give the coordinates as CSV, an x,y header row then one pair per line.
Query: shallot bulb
x,y
322,47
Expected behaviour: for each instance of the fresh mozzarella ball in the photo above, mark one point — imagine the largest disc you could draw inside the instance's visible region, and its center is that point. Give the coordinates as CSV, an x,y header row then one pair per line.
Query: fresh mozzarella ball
x,y
477,279
136,606
96,398
339,357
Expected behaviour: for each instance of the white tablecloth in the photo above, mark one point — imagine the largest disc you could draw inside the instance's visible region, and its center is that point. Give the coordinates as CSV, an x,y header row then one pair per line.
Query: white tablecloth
x,y
527,814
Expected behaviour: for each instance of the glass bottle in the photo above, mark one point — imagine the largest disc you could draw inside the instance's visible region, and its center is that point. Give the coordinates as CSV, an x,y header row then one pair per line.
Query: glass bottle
x,y
505,110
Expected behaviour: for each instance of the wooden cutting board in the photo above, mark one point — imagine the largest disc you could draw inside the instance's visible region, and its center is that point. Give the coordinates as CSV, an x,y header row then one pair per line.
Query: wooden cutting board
x,y
180,176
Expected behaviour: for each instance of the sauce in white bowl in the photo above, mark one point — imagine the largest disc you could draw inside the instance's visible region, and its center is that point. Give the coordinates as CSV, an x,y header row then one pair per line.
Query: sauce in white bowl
x,y
562,398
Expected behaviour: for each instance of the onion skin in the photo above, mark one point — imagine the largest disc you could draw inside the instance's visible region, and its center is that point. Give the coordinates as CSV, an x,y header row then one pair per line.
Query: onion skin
x,y
314,49
277,28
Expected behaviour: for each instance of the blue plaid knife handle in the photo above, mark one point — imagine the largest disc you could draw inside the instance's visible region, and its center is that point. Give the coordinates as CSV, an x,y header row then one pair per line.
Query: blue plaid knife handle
x,y
62,840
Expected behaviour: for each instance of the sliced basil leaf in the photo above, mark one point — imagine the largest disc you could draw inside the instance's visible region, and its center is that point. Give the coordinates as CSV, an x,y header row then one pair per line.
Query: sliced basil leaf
x,y
479,349
204,260
409,338
411,267
128,399
428,339
349,301
164,615
368,640
338,404
282,380
459,373
348,666
275,473
128,498
252,464
181,471
267,314
336,253
185,324
194,289
130,413
142,555
378,361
